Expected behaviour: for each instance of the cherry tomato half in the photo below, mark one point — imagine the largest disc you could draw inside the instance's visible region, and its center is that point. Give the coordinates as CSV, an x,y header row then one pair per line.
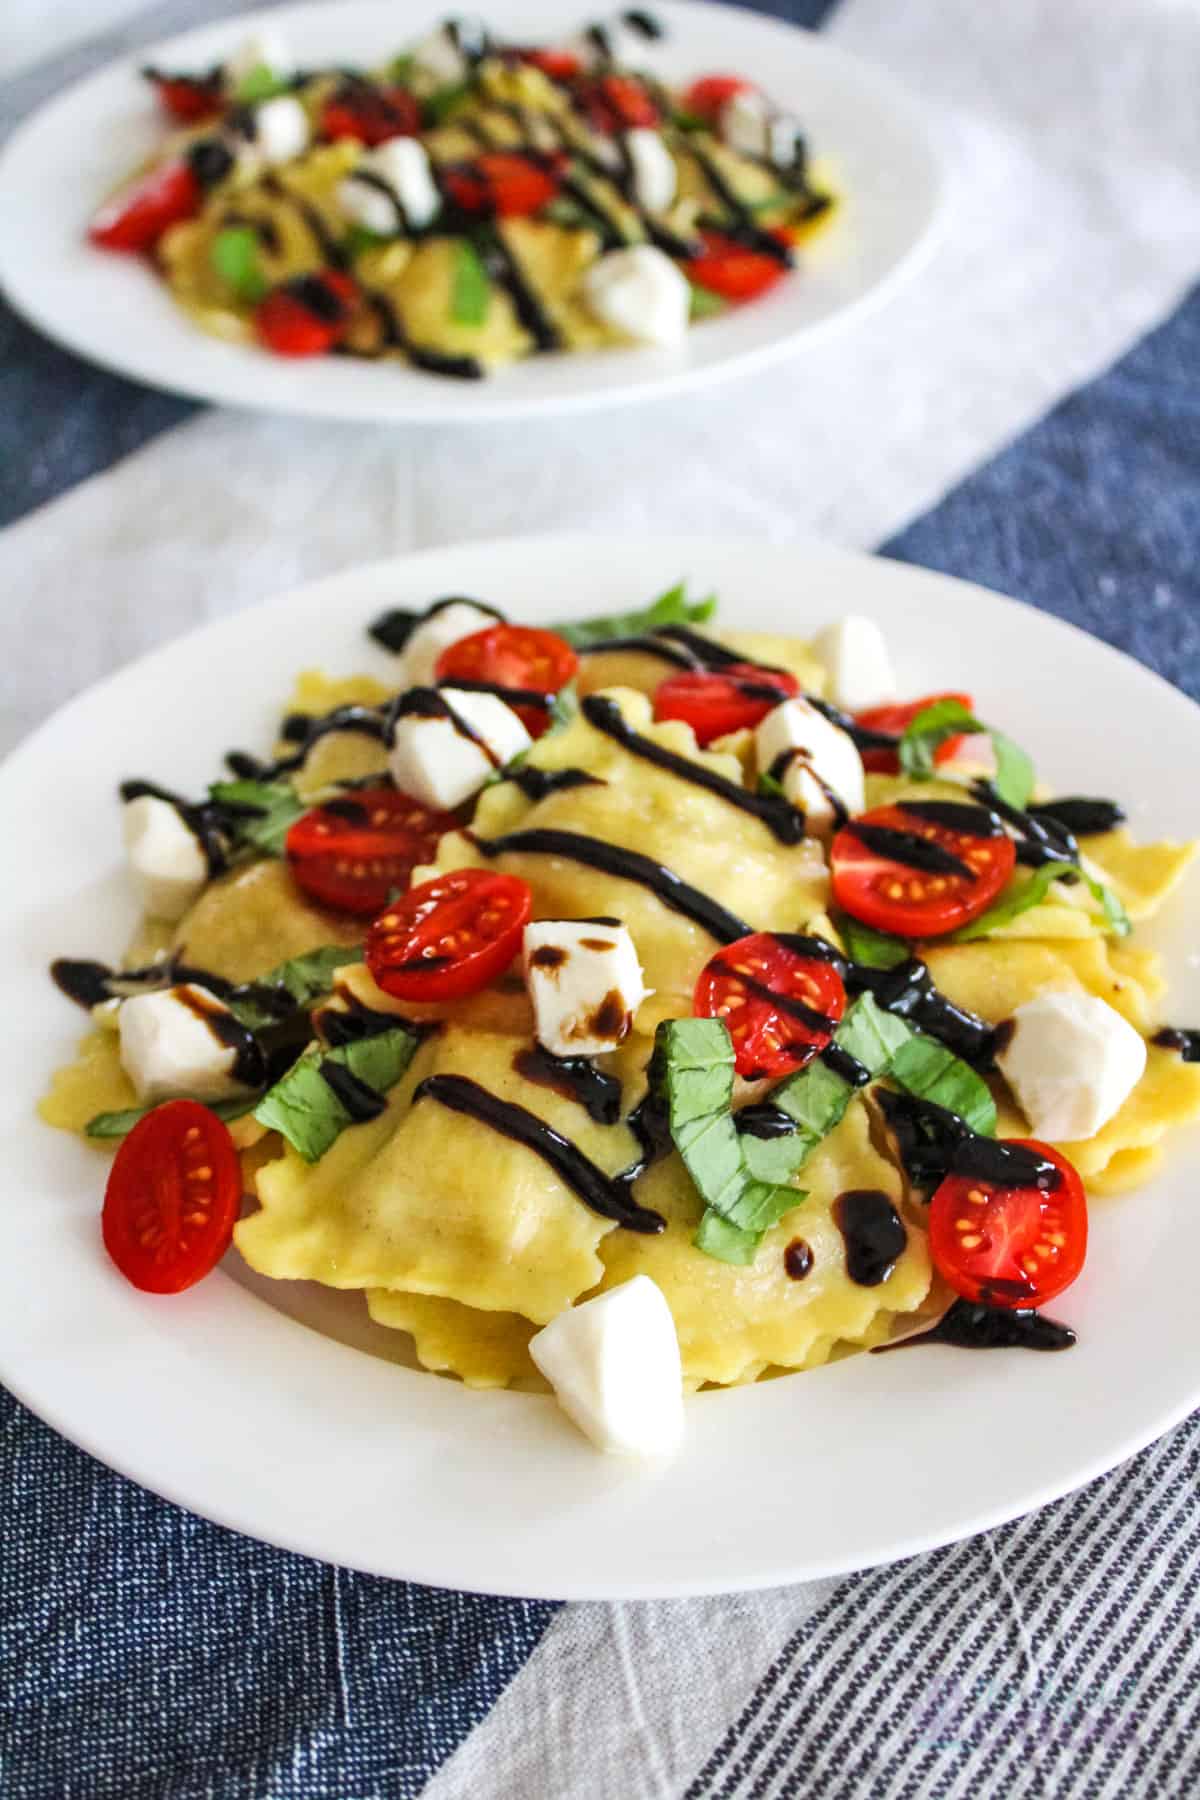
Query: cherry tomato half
x,y
189,98
894,720
618,103
450,936
731,270
897,871
308,315
371,115
512,656
172,1199
715,701
1010,1246
137,217
559,65
353,852
781,1005
500,182
710,93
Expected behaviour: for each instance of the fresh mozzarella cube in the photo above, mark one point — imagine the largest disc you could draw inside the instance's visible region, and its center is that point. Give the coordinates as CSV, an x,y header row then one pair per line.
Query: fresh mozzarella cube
x,y
367,206
172,1044
585,982
614,1365
443,757
440,56
745,123
261,50
404,165
165,858
641,293
444,626
816,762
281,129
653,167
860,669
785,141
1072,1061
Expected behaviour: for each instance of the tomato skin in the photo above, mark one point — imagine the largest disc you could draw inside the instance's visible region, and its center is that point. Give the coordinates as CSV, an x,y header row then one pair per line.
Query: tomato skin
x,y
768,1038
137,217
618,103
710,93
353,866
188,98
370,115
895,719
172,1199
465,925
501,183
862,876
559,65
1008,1255
731,270
716,701
306,316
512,656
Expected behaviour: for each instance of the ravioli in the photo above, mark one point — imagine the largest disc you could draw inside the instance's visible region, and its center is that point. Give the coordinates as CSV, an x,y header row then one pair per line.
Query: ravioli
x,y
484,1349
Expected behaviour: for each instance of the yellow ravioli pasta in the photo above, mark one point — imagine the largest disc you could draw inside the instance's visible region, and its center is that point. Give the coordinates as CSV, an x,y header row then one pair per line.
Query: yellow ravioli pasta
x,y
484,1349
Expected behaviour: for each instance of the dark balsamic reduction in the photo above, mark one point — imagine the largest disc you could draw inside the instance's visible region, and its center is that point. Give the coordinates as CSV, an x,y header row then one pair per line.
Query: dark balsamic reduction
x,y
969,1325
741,225
607,1195
575,1078
535,784
910,849
210,161
862,736
1003,1164
504,269
263,229
359,1098
207,820
627,865
305,730
784,821
429,703
1177,1037
337,1027
1081,817
393,628
331,250
873,1233
853,1072
511,696
794,754
791,1004
249,1065
764,1121
797,1259
1038,840
677,656
88,984
956,815
908,991
644,23
925,1135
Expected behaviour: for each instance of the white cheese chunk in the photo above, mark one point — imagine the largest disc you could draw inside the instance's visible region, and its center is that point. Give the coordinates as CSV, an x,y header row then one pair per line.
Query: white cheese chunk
x,y
281,129
169,1048
166,861
585,982
822,766
412,200
436,632
264,49
444,57
1072,1061
438,760
614,1365
860,669
641,293
745,123
653,166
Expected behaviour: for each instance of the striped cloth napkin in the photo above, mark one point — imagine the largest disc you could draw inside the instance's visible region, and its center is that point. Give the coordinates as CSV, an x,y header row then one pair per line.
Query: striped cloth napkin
x,y
1027,414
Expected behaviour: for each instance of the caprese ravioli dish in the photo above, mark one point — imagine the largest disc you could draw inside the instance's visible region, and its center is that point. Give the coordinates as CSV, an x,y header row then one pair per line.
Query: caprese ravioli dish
x,y
469,203
631,1007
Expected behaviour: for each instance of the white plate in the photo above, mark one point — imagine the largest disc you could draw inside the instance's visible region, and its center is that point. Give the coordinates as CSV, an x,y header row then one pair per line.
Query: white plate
x,y
222,1402
112,310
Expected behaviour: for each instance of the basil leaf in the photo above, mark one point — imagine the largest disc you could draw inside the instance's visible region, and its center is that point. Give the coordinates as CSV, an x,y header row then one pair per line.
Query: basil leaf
x,y
1015,901
704,304
768,785
1013,780
671,608
305,1109
234,255
817,1097
274,808
260,83
931,1072
306,979
120,1124
471,290
684,120
359,239
564,706
438,106
874,949
949,718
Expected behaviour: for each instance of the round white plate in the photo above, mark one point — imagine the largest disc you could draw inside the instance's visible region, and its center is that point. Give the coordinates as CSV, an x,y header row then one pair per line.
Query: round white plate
x,y
111,309
229,1399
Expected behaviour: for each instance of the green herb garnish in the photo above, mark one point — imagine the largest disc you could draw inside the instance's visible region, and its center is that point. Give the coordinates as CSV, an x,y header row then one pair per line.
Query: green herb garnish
x,y
360,239
273,808
260,83
305,1109
925,1067
120,1124
945,719
471,291
305,979
874,949
437,107
234,255
705,304
1015,901
671,608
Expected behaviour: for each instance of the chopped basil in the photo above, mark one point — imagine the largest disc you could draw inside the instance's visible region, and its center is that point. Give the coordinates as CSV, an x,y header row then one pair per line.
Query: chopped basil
x,y
260,83
931,1072
272,808
874,949
305,979
768,785
471,291
120,1124
304,1107
1017,900
817,1097
683,120
437,107
705,305
564,705
360,239
234,255
671,608
950,718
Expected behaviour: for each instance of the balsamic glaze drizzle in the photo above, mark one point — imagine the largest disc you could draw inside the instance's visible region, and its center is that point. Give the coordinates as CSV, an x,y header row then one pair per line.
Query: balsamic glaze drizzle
x,y
873,1233
575,1078
908,990
970,1325
649,644
790,1004
910,849
393,628
1038,840
359,1098
429,703
207,820
956,815
1176,1037
763,1120
306,730
535,784
1079,816
862,736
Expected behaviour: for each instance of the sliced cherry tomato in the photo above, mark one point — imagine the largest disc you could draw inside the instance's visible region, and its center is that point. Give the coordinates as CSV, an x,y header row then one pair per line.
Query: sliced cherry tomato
x,y
512,656
559,65
731,270
897,871
893,720
173,1196
781,1005
502,182
371,115
450,936
710,93
307,315
618,103
188,98
1010,1246
138,216
353,852
715,701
